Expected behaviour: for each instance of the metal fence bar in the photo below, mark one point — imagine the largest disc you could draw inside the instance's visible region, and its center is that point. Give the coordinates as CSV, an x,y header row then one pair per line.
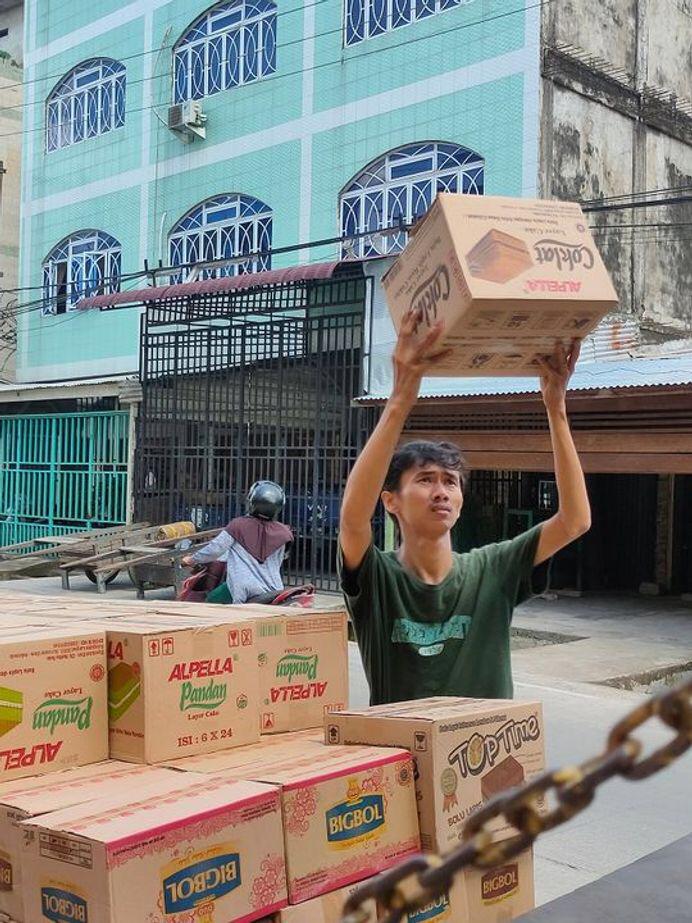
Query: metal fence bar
x,y
62,473
264,382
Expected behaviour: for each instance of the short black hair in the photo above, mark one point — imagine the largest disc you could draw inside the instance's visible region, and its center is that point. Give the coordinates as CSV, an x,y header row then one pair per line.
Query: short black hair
x,y
416,454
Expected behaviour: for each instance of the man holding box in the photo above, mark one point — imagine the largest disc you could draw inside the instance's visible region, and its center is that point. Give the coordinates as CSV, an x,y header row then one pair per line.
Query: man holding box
x,y
429,621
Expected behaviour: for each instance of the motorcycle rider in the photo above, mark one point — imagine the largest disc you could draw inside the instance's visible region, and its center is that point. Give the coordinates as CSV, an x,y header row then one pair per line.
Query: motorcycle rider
x,y
253,547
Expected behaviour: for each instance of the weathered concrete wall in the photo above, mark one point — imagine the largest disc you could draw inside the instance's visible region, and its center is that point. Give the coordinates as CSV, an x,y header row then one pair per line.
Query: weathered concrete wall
x,y
600,138
12,44
606,29
669,45
592,158
667,252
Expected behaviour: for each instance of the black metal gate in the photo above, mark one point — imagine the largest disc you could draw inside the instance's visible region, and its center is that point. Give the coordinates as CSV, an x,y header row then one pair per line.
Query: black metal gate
x,y
250,385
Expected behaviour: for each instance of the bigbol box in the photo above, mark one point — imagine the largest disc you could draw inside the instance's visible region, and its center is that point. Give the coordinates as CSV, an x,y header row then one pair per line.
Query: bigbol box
x,y
465,750
506,276
449,907
502,893
348,812
186,688
209,853
30,798
303,664
327,908
52,700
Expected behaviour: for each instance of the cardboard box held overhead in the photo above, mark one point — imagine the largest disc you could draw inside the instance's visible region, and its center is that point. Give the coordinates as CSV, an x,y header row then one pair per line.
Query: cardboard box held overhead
x,y
52,700
508,277
465,750
348,812
211,852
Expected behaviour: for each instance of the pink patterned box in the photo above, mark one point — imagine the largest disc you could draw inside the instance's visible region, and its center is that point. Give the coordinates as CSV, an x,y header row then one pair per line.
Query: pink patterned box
x,y
348,812
206,853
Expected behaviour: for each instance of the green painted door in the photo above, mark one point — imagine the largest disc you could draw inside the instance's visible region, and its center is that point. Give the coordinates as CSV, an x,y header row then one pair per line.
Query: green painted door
x,y
62,473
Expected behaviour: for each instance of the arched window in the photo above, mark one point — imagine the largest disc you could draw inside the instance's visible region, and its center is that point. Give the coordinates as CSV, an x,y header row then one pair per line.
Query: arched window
x,y
220,229
85,263
368,18
89,101
398,187
231,44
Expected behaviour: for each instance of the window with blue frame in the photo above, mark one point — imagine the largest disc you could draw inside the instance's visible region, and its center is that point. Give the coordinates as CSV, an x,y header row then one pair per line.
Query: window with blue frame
x,y
89,101
399,187
368,18
230,45
85,263
222,228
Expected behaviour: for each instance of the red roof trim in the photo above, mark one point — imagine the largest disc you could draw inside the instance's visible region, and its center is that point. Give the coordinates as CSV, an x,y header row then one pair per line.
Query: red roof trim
x,y
210,286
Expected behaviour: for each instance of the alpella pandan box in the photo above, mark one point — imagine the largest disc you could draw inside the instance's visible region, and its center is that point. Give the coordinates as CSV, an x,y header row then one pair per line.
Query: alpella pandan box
x,y
180,687
302,655
52,700
507,277
208,853
348,812
24,799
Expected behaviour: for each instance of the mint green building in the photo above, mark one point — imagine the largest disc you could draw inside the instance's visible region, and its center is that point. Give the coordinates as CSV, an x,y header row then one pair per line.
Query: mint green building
x,y
322,119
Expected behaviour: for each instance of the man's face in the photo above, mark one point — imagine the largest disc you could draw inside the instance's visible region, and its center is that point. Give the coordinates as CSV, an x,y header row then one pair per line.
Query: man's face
x,y
428,500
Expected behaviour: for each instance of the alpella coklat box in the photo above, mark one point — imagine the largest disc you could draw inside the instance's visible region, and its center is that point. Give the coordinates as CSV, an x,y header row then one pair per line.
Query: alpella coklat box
x,y
507,278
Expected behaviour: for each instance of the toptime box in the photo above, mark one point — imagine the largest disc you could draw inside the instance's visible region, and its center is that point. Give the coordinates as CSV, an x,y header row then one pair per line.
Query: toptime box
x,y
466,750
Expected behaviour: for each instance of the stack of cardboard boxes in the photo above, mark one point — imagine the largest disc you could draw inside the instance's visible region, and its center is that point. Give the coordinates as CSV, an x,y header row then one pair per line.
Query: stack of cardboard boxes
x,y
269,798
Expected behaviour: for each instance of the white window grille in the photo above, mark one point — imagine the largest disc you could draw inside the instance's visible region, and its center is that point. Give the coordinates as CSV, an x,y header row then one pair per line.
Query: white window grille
x,y
368,18
230,45
86,263
399,187
89,101
222,228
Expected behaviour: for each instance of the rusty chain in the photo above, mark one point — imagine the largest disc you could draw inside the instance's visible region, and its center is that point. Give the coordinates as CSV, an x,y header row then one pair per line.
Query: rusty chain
x,y
420,879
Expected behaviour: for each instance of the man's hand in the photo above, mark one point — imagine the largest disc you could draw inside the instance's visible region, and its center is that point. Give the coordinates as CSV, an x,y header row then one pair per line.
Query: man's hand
x,y
556,373
187,561
413,356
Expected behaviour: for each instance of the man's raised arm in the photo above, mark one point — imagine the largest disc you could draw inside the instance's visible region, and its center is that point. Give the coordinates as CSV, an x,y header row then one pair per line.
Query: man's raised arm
x,y
573,517
411,359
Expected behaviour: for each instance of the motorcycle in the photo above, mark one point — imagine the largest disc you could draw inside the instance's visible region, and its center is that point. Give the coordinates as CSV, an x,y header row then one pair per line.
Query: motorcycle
x,y
207,577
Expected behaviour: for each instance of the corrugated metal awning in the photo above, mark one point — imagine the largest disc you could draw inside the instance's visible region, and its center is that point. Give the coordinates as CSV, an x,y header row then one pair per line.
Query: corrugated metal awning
x,y
589,376
125,387
220,285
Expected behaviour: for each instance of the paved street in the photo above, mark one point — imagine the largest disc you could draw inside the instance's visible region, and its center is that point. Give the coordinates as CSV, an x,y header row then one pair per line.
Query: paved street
x,y
627,820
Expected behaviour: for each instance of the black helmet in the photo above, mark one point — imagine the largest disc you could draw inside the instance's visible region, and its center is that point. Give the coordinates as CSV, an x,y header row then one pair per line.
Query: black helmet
x,y
265,500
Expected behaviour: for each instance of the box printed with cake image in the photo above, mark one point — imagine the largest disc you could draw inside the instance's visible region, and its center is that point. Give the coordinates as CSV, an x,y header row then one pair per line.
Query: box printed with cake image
x,y
464,750
52,700
506,276
348,812
179,686
194,851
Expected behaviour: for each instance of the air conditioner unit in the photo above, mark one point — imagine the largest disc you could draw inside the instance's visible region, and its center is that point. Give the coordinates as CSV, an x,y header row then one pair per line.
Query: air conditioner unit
x,y
187,120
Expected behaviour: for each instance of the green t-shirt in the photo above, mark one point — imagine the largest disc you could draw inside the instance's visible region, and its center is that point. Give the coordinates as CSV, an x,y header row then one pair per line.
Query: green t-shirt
x,y
451,638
